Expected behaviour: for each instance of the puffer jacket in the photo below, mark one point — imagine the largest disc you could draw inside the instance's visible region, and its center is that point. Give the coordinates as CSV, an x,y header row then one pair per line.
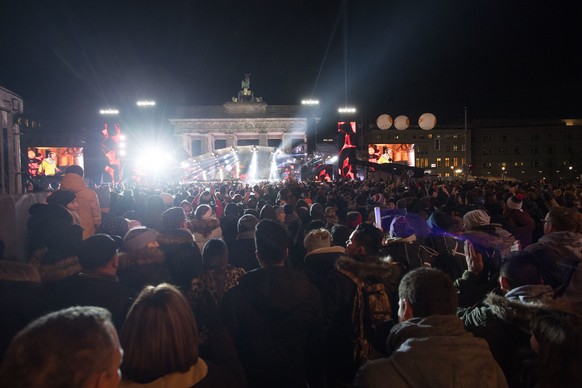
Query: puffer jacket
x,y
89,208
504,322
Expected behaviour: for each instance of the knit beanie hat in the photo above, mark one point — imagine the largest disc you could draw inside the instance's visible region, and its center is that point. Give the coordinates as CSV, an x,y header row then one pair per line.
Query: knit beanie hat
x,y
138,238
379,199
353,219
61,197
515,202
96,251
476,218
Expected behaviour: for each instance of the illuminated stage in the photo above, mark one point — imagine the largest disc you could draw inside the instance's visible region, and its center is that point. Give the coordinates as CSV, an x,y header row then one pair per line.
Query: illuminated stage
x,y
246,163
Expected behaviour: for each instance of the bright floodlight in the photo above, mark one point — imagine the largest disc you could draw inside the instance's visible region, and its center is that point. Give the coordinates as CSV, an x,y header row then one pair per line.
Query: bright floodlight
x,y
109,111
146,103
253,167
333,159
347,109
309,102
273,175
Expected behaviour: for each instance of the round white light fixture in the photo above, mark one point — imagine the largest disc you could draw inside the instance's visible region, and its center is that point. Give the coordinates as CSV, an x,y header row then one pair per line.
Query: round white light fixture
x,y
384,121
401,122
427,121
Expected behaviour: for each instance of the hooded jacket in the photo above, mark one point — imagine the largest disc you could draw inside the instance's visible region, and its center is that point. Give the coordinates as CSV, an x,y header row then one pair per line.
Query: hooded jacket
x,y
435,351
561,257
89,208
504,322
274,318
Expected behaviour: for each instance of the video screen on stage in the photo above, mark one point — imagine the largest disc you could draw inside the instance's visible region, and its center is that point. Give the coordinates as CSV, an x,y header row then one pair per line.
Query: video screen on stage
x,y
392,153
51,161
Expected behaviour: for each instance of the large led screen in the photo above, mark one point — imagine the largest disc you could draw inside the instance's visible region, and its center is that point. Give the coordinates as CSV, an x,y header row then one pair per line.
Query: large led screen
x,y
391,153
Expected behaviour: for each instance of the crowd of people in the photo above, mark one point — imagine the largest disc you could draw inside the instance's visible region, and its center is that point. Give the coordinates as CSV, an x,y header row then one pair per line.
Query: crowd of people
x,y
297,284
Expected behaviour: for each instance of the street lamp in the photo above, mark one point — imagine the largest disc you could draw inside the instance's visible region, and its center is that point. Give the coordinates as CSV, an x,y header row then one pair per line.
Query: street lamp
x,y
347,109
109,112
145,103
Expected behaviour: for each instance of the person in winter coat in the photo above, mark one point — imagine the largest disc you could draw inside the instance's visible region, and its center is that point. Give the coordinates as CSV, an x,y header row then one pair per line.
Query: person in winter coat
x,y
183,257
53,240
430,347
218,276
243,255
97,283
89,208
503,318
321,256
161,346
362,260
274,317
142,263
560,250
521,224
204,226
22,298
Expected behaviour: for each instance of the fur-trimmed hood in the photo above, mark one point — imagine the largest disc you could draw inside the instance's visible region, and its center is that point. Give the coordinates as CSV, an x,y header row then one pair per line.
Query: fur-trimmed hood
x,y
59,270
205,226
522,303
176,236
13,271
372,269
141,257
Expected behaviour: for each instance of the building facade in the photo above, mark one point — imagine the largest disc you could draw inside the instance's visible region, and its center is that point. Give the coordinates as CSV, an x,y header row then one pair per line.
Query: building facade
x,y
528,149
205,129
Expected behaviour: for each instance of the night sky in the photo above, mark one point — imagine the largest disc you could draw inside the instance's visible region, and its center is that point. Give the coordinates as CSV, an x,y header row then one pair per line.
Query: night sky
x,y
501,59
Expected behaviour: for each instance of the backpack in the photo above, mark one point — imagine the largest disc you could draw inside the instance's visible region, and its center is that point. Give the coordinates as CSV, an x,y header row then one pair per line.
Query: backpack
x,y
371,309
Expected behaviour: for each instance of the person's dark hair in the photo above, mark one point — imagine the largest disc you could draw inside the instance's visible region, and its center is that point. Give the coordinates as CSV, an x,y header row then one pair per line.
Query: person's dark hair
x,y
521,270
429,291
370,237
159,335
62,349
173,218
315,224
74,169
215,254
559,340
271,241
339,235
563,219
